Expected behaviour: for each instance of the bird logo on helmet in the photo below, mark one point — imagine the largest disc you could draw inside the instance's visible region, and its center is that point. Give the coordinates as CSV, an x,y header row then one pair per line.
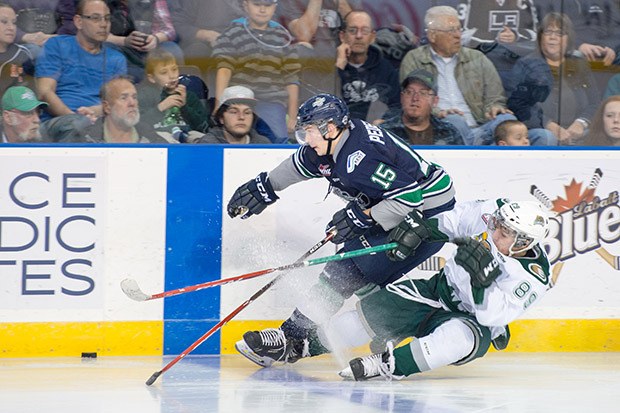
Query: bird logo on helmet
x,y
323,108
319,101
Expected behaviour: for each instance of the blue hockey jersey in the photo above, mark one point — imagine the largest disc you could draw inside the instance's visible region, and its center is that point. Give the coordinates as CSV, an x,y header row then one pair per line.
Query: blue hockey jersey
x,y
377,170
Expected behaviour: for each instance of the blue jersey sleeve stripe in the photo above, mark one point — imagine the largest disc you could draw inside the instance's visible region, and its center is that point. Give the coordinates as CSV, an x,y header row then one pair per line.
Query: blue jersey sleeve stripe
x,y
298,163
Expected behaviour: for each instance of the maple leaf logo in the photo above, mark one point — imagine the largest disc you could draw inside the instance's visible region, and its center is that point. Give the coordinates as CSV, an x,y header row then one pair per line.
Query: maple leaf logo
x,y
573,194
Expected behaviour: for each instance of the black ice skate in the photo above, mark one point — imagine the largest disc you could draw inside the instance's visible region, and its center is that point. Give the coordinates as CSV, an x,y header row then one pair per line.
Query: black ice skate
x,y
271,345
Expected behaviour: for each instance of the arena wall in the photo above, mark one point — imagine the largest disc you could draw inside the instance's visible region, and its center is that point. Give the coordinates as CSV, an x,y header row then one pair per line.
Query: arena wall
x,y
75,221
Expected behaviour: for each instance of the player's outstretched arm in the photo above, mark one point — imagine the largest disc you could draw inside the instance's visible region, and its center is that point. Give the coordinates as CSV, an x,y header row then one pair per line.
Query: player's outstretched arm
x,y
252,197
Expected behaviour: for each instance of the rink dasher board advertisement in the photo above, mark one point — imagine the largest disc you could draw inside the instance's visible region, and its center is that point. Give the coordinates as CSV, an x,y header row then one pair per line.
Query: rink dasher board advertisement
x,y
73,223
580,187
77,220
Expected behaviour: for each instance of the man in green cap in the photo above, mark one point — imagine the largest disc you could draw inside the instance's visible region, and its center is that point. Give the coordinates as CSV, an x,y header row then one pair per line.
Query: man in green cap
x,y
20,116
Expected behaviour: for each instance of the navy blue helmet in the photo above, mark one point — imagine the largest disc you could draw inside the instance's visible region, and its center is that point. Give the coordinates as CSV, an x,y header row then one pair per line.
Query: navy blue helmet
x,y
322,109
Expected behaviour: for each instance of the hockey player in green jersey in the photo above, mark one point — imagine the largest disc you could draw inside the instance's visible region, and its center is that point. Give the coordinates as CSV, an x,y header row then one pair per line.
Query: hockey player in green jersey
x,y
498,271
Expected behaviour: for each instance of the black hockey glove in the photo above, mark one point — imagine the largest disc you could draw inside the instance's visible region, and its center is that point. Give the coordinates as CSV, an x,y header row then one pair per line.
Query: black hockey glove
x,y
409,234
350,222
252,197
478,261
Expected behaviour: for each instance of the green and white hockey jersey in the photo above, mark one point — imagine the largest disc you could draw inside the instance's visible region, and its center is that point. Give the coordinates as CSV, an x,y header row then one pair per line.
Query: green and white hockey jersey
x,y
522,282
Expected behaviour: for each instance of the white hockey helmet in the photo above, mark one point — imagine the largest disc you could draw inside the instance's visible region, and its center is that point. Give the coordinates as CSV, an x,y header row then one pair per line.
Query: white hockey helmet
x,y
528,221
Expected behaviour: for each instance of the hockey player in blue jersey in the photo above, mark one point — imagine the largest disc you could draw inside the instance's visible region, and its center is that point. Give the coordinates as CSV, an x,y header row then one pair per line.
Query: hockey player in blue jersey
x,y
382,179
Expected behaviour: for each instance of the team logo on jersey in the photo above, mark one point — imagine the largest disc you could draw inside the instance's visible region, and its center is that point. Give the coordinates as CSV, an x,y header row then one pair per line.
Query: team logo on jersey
x,y
538,271
499,19
354,159
318,102
325,170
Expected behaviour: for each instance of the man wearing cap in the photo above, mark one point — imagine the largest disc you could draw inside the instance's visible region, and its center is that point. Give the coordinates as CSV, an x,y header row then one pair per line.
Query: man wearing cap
x,y
20,116
235,119
416,122
366,77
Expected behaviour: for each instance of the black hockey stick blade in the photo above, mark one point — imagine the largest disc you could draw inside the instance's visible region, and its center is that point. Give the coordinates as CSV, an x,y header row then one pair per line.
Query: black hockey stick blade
x,y
154,377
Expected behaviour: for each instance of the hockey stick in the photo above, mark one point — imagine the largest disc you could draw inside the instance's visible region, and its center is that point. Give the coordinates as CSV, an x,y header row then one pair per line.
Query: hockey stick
x,y
434,263
330,234
300,263
611,259
131,288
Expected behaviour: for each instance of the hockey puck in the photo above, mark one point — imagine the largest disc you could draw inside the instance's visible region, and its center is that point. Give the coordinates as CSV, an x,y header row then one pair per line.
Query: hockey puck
x,y
89,355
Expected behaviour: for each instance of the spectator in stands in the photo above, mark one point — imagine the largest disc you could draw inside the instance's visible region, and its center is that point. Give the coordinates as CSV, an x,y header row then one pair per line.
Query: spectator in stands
x,y
613,86
315,25
255,51
15,60
140,26
511,133
596,26
492,21
65,10
529,83
365,76
470,90
394,42
36,22
40,20
198,24
168,105
20,116
503,30
416,123
121,117
605,129
568,108
72,69
235,119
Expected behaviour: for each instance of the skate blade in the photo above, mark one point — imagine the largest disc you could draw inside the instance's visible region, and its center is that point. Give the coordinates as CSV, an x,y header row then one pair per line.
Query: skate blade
x,y
247,352
346,374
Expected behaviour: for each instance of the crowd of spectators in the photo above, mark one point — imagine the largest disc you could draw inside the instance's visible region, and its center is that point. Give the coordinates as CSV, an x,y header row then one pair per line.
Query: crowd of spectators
x,y
479,72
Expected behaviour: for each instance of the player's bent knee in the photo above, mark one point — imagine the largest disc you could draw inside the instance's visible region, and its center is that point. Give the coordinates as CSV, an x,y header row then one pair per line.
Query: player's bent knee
x,y
346,330
450,343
